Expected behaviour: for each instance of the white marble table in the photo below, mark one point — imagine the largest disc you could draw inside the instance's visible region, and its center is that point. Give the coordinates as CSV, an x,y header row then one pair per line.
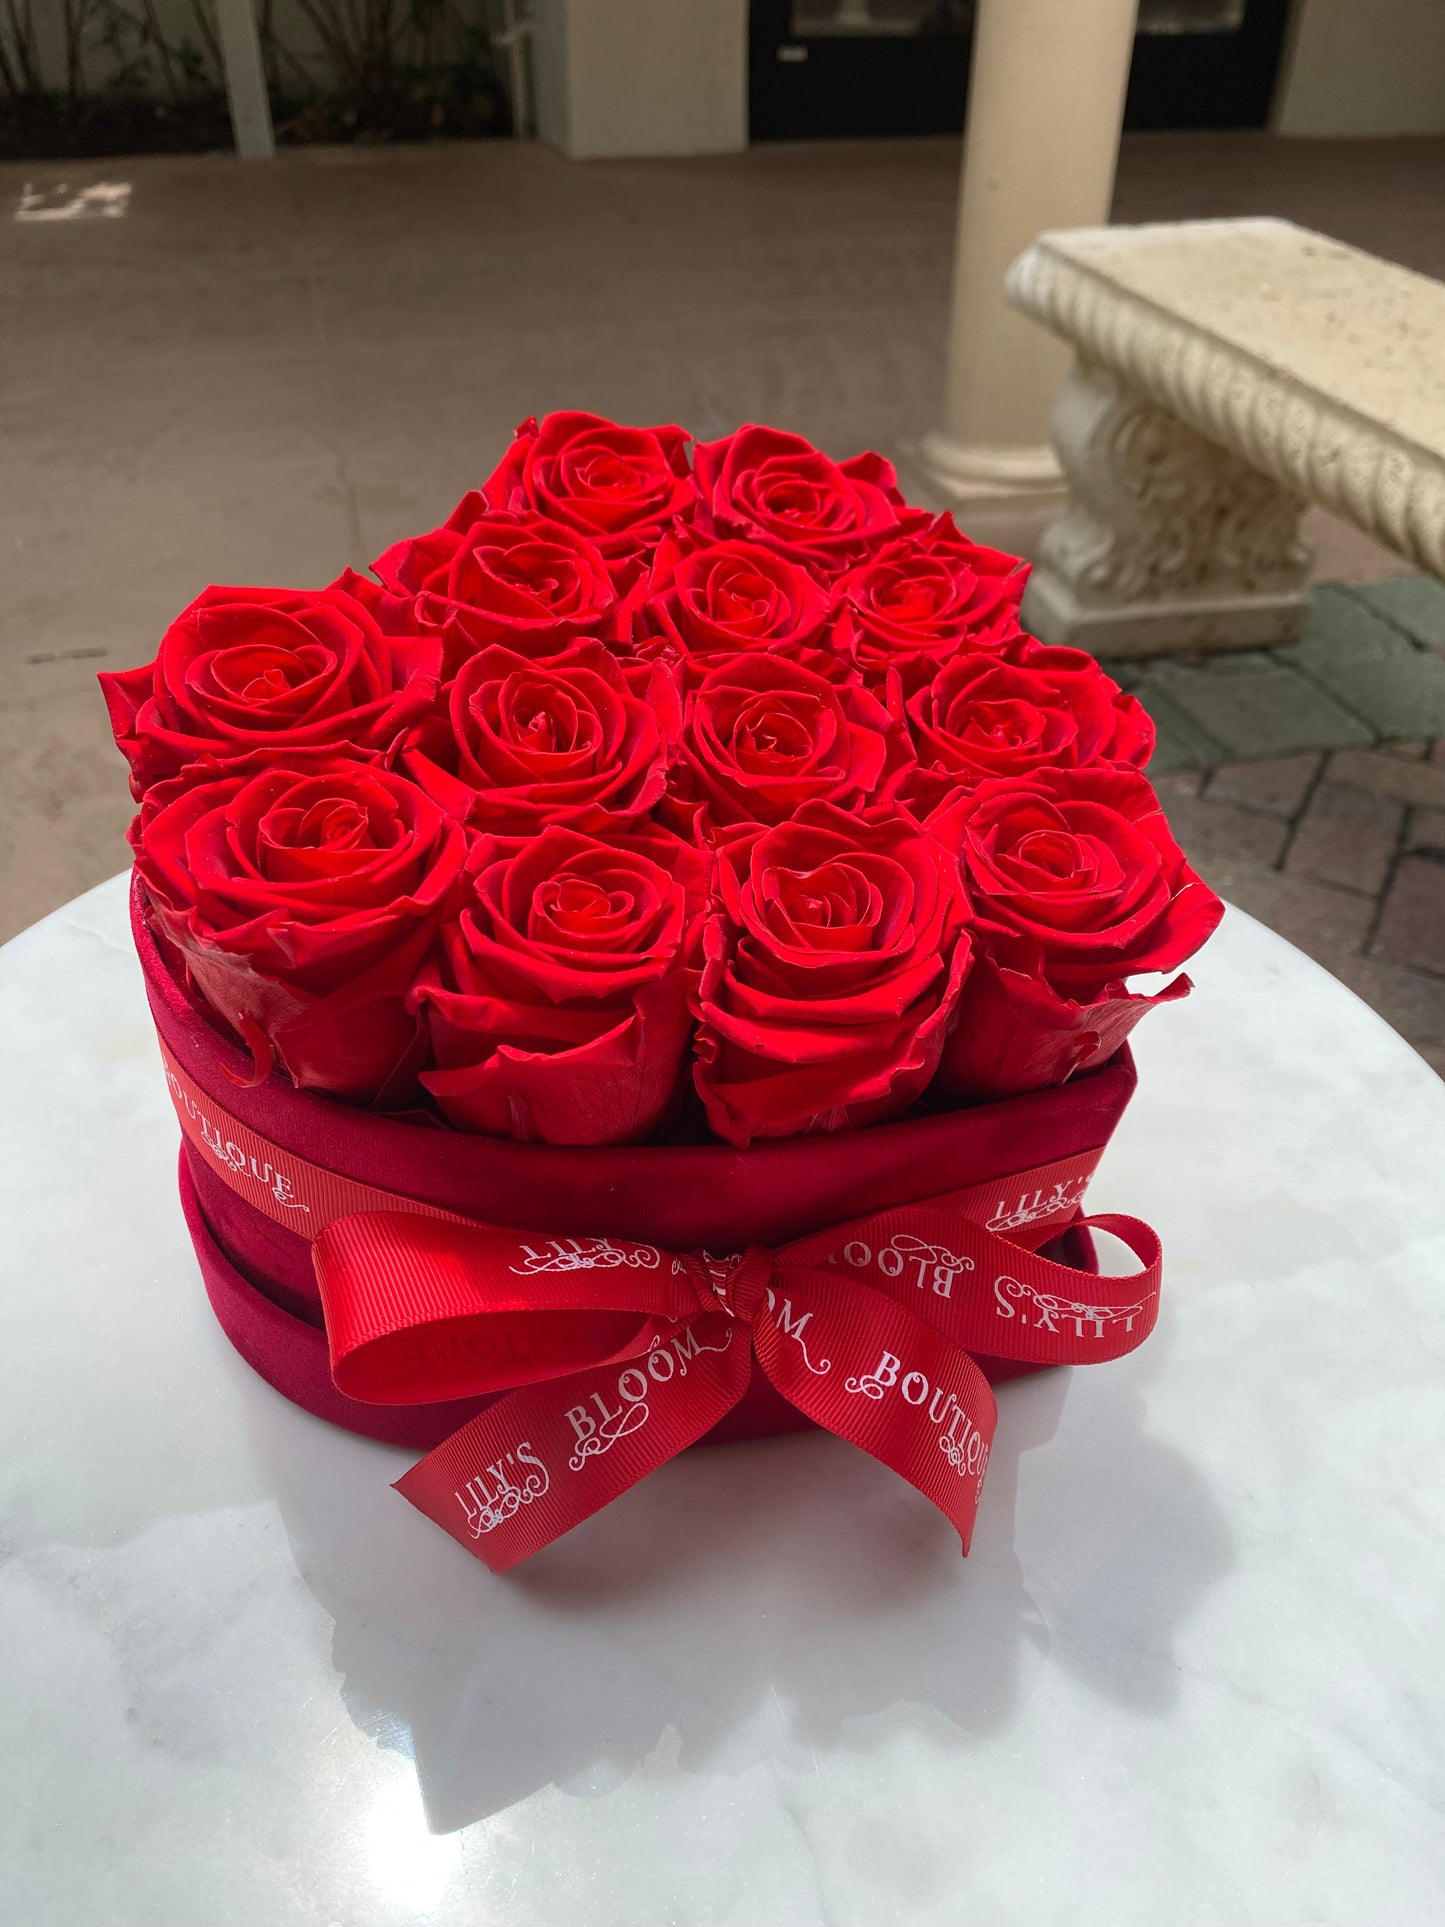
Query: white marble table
x,y
1192,1673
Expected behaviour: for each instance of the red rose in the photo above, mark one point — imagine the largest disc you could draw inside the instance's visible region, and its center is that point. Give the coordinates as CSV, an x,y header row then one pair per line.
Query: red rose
x,y
248,669
982,718
778,489
1081,864
925,596
526,743
1015,1034
729,597
559,1008
762,735
831,970
303,901
491,577
619,487
1131,733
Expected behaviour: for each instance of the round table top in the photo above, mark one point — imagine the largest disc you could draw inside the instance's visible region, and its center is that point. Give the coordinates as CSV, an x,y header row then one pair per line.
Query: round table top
x,y
1191,1672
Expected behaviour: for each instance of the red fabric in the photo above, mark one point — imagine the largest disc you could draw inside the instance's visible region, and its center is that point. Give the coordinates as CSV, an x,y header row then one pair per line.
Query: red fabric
x,y
861,1327
260,1279
867,1328
278,1328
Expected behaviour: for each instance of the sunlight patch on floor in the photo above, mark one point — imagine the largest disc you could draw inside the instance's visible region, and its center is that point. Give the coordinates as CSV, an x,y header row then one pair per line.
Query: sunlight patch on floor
x,y
102,200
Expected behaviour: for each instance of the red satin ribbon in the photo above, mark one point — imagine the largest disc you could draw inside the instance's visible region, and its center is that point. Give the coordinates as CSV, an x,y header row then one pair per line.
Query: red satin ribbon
x,y
614,1356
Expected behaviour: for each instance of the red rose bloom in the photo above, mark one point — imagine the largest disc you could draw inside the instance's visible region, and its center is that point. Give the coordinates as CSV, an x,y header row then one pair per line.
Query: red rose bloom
x,y
1077,884
750,746
729,597
490,577
303,901
525,744
774,488
982,718
832,967
559,1007
265,669
1014,1033
925,596
762,735
1131,733
618,487
1082,865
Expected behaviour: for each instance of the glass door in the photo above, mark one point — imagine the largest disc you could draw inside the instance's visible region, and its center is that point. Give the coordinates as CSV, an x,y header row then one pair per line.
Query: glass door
x,y
841,69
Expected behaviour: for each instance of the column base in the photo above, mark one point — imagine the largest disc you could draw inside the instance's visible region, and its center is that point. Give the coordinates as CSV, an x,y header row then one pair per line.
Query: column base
x,y
967,475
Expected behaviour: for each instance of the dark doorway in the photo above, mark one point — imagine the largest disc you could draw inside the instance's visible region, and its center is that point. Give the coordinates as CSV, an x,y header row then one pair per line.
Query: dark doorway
x,y
843,69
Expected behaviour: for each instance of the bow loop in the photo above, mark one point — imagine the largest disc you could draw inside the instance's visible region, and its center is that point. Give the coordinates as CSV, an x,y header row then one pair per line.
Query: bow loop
x,y
421,1309
869,1328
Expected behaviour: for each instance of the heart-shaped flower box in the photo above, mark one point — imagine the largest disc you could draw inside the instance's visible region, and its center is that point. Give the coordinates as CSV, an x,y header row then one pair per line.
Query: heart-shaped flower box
x,y
260,1276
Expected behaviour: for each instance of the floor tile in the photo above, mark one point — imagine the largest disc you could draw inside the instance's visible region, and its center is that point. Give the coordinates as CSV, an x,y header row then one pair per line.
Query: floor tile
x,y
1422,784
1359,657
1347,837
1325,923
1278,785
1178,742
108,566
1256,710
1425,830
1415,602
1412,923
1216,837
64,806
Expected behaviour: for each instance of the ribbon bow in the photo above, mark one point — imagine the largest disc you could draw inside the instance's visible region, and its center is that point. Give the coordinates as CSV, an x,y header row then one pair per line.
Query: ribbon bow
x,y
611,1357
626,1353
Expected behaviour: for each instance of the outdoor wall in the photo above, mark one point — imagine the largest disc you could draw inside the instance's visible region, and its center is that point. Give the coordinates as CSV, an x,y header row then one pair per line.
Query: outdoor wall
x,y
634,77
139,76
1364,67
176,20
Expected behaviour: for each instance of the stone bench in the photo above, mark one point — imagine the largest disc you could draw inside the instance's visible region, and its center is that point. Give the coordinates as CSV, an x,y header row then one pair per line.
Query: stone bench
x,y
1227,373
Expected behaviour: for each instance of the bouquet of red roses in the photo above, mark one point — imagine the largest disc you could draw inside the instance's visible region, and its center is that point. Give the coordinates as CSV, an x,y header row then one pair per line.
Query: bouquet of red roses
x,y
664,800
655,793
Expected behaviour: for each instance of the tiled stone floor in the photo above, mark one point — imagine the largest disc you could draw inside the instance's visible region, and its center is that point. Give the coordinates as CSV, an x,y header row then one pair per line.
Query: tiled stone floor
x,y
1308,785
263,372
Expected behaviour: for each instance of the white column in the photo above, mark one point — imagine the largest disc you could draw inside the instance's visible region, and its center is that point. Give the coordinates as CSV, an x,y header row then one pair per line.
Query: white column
x,y
1045,107
245,80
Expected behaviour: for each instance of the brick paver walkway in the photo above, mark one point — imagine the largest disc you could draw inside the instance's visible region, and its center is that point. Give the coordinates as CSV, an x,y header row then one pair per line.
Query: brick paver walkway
x,y
1308,785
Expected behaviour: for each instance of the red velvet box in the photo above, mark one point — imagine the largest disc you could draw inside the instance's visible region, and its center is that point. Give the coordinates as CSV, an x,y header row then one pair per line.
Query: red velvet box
x,y
259,1275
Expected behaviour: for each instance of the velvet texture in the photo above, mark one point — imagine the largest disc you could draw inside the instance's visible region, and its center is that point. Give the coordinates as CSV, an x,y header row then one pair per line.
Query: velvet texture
x,y
259,1276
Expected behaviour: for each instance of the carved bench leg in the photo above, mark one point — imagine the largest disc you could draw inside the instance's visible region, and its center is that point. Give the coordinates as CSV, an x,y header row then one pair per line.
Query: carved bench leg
x,y
1169,543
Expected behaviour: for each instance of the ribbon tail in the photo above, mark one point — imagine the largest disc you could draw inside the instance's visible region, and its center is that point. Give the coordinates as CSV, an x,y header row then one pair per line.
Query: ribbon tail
x,y
985,1294
1032,1309
543,1459
866,1368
